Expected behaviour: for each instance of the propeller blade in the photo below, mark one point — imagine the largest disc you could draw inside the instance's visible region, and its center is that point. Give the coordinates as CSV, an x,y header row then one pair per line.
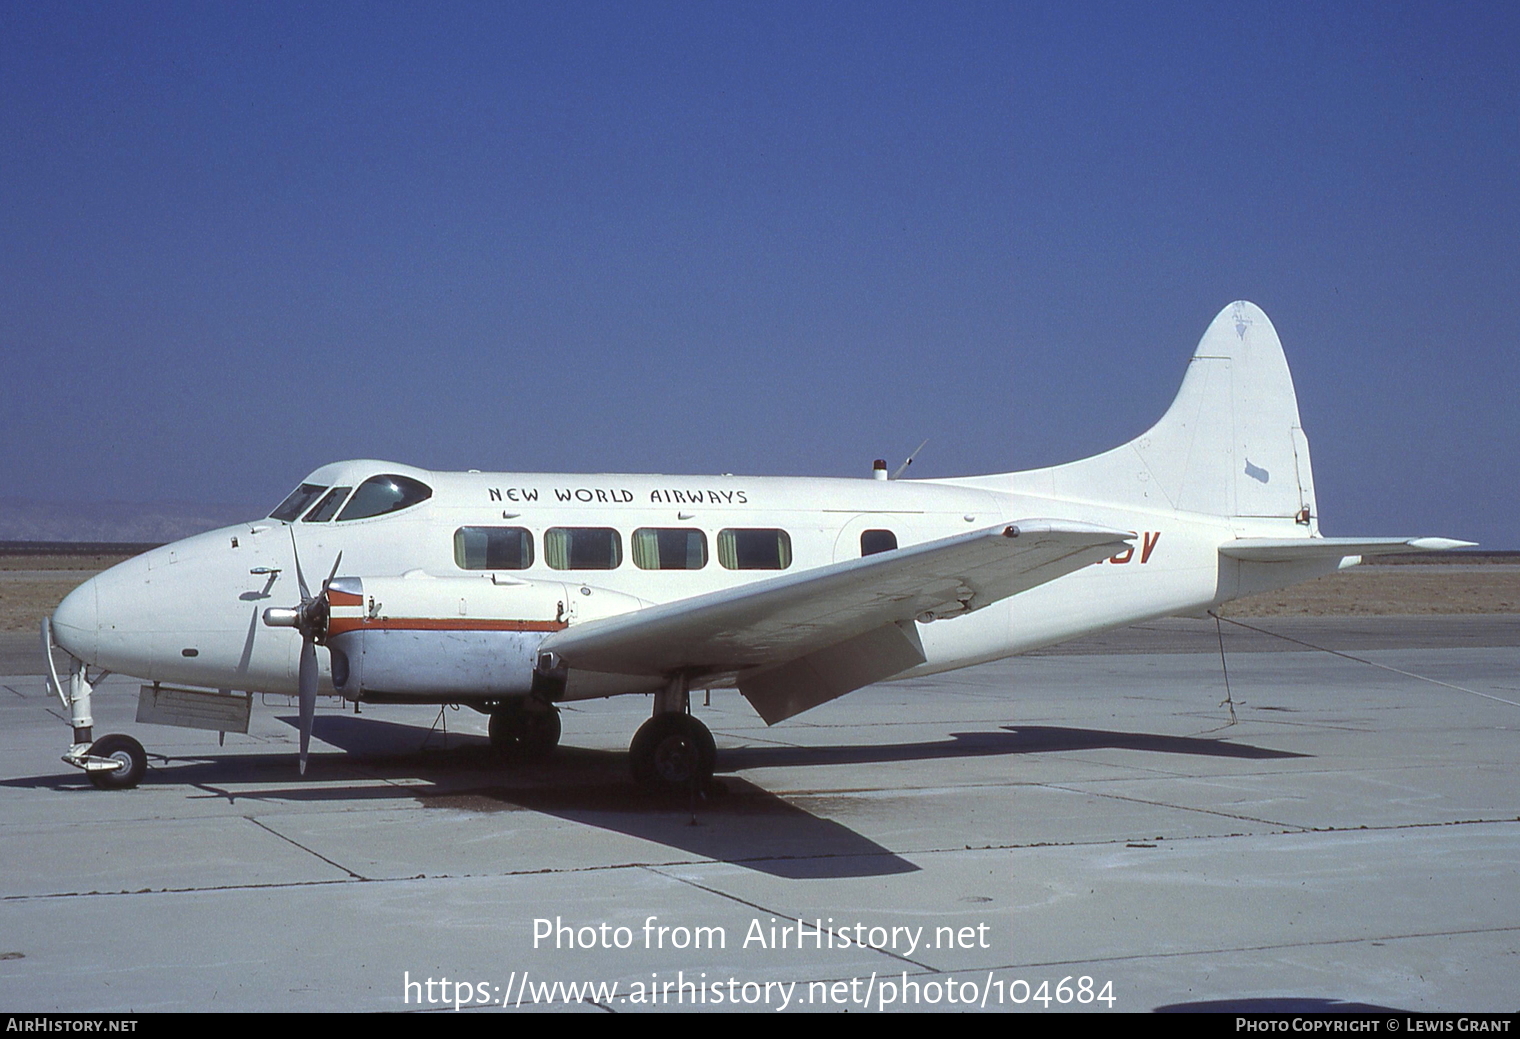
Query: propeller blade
x,y
300,577
307,684
333,572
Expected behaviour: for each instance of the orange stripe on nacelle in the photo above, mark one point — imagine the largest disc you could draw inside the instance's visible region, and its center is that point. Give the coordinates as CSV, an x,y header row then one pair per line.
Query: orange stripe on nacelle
x,y
339,625
337,598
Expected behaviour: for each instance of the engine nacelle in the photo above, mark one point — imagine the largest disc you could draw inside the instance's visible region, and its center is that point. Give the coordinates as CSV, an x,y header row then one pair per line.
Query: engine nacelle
x,y
452,639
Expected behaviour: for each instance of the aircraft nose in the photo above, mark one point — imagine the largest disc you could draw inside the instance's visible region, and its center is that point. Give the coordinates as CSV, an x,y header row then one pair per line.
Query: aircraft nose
x,y
76,621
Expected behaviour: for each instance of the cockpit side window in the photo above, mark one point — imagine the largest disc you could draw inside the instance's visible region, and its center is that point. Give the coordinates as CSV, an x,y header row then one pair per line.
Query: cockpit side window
x,y
325,509
380,495
297,502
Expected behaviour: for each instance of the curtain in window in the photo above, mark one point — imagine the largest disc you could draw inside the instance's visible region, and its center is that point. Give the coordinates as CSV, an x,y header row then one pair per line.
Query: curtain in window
x,y
557,548
470,548
646,548
583,548
761,549
728,550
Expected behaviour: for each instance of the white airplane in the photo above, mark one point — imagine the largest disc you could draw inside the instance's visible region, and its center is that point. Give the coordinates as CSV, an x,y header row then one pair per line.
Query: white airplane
x,y
512,592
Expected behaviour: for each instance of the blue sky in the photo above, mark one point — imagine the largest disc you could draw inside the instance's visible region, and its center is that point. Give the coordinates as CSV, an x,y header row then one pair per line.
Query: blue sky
x,y
242,240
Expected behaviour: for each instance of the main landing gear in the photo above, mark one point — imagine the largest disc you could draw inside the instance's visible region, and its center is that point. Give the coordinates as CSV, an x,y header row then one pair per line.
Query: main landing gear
x,y
524,728
672,751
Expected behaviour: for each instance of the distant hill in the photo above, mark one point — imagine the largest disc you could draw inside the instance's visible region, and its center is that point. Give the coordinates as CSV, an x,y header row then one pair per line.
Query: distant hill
x,y
24,520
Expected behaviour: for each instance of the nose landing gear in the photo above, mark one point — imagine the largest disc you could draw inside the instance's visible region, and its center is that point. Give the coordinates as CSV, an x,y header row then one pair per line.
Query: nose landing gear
x,y
113,762
116,762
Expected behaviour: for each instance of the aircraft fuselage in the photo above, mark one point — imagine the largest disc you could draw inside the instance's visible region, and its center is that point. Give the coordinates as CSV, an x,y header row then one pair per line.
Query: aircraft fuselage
x,y
190,612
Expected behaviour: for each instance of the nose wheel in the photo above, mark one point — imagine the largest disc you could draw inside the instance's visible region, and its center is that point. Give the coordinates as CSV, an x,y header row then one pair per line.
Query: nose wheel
x,y
671,751
131,762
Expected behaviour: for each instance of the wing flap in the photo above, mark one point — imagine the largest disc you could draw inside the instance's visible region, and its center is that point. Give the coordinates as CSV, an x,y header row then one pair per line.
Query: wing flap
x,y
779,692
770,622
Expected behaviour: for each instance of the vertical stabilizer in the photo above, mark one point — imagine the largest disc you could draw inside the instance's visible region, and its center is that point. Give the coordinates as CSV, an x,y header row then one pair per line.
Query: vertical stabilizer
x,y
1230,444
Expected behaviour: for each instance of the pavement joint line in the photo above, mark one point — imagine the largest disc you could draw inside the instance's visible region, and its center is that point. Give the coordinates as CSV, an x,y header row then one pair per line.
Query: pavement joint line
x,y
1307,944
203,890
309,851
658,867
417,791
1176,807
775,914
354,879
751,737
1309,724
1350,768
1151,774
1285,830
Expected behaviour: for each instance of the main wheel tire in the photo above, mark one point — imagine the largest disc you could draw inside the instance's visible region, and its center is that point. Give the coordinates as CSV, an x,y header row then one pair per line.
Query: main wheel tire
x,y
524,732
671,752
134,762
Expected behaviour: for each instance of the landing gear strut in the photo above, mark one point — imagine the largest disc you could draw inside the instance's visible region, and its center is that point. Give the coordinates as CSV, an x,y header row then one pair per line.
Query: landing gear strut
x,y
524,728
672,750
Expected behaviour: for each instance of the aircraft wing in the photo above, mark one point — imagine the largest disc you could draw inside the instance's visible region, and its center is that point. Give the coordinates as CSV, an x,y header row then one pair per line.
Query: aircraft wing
x,y
797,640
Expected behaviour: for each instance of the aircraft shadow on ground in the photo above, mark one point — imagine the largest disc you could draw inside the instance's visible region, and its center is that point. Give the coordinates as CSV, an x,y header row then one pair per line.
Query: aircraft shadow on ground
x,y
1277,1005
1010,739
735,820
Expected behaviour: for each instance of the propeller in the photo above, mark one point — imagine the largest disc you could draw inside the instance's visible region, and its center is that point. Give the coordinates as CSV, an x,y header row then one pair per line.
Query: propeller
x,y
310,619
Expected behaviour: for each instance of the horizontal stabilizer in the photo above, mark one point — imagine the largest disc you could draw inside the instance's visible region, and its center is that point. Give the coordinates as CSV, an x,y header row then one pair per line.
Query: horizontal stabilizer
x,y
1287,550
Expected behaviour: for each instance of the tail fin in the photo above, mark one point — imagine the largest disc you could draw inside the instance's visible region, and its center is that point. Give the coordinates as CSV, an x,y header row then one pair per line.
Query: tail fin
x,y
1230,444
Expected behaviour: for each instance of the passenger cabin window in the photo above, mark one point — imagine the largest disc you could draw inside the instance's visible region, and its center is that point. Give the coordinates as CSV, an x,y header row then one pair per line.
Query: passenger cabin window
x,y
874,541
657,548
380,495
754,549
493,548
297,502
328,505
583,548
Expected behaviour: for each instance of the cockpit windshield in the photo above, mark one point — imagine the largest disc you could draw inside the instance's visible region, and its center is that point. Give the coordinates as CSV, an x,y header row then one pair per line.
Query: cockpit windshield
x,y
296,504
380,495
328,506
